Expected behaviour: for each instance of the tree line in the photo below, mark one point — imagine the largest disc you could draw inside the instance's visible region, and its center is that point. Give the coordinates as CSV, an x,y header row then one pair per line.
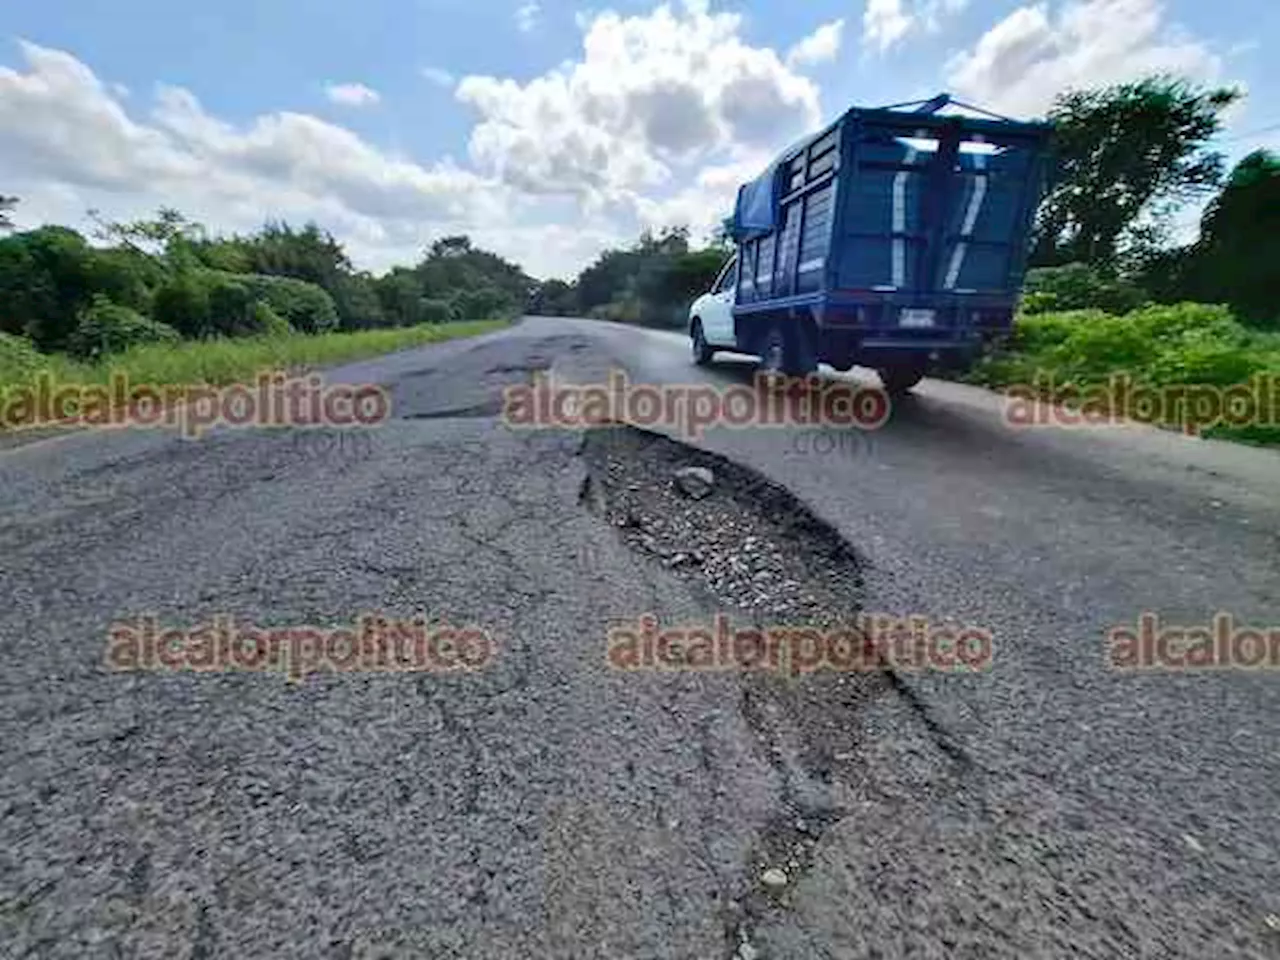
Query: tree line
x,y
167,279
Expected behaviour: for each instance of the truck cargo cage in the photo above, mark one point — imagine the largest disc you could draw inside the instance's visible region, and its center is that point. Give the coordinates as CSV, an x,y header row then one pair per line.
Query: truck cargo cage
x,y
894,216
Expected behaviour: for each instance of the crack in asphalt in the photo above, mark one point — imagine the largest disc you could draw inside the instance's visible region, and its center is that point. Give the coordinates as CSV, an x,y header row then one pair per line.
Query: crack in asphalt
x,y
752,547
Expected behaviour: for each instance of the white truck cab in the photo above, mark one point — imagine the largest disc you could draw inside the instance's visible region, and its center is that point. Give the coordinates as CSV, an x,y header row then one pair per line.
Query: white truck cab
x,y
711,316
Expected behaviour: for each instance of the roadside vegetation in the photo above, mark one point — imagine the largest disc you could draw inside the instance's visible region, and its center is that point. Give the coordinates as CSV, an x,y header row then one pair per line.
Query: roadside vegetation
x,y
650,283
165,303
1068,356
220,362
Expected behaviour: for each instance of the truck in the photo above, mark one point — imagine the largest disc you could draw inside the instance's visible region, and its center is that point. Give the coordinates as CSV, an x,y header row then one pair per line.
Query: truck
x,y
896,238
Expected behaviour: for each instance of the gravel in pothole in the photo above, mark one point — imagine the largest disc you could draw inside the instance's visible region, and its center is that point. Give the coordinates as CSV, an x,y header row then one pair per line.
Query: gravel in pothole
x,y
750,542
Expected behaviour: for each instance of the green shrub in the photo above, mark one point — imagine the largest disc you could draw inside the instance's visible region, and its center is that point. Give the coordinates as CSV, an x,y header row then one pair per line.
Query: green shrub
x,y
1078,286
481,303
356,298
46,279
19,359
1050,329
109,328
126,277
270,323
203,303
183,304
1214,363
435,311
304,306
1099,346
1038,301
231,307
1175,345
1184,322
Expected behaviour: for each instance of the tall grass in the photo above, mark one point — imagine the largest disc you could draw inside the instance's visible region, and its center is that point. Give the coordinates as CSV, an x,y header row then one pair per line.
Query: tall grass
x,y
219,362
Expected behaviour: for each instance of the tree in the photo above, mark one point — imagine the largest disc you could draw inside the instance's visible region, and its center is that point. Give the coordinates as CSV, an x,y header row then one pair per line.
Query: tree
x,y
555,298
400,294
1236,259
454,264
170,233
480,303
722,238
309,254
450,247
183,303
653,282
46,280
607,279
1127,156
7,205
356,297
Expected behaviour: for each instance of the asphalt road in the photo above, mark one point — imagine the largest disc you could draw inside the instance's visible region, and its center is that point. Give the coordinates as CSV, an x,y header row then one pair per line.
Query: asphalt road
x,y
552,806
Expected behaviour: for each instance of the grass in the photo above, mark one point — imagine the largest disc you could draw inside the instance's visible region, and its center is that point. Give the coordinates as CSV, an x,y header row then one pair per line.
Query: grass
x,y
1073,357
220,362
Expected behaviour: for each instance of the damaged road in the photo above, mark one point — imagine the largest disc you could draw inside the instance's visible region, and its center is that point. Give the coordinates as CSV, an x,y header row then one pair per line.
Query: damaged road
x,y
551,805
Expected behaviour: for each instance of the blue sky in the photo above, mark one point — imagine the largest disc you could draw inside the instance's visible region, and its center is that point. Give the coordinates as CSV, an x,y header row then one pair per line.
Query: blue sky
x,y
547,131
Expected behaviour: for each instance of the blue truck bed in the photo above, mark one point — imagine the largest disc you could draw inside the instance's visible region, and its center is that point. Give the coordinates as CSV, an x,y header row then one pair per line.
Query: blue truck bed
x,y
892,238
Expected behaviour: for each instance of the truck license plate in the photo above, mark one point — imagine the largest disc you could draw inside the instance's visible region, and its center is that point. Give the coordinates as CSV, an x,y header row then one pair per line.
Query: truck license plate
x,y
916,319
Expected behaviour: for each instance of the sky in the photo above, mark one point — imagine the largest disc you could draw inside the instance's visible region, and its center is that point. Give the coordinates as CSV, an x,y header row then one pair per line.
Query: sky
x,y
548,131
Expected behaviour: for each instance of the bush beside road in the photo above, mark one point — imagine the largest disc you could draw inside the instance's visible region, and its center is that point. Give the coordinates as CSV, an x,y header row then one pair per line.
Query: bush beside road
x,y
1068,357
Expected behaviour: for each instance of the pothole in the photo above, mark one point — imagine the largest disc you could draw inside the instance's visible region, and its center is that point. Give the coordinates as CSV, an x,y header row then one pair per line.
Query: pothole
x,y
758,554
473,384
749,543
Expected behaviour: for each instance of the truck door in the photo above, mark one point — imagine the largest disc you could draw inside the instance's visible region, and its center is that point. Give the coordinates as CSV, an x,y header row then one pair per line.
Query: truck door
x,y
717,316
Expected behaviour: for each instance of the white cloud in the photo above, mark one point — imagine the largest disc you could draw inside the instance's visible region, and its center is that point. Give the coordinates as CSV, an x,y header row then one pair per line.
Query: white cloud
x,y
703,204
655,122
442,78
820,46
652,96
527,16
885,23
352,94
933,12
67,144
1022,62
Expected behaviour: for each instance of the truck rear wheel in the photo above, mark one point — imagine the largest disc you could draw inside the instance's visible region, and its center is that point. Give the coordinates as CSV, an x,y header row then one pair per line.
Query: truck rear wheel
x,y
777,356
782,354
899,380
773,354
